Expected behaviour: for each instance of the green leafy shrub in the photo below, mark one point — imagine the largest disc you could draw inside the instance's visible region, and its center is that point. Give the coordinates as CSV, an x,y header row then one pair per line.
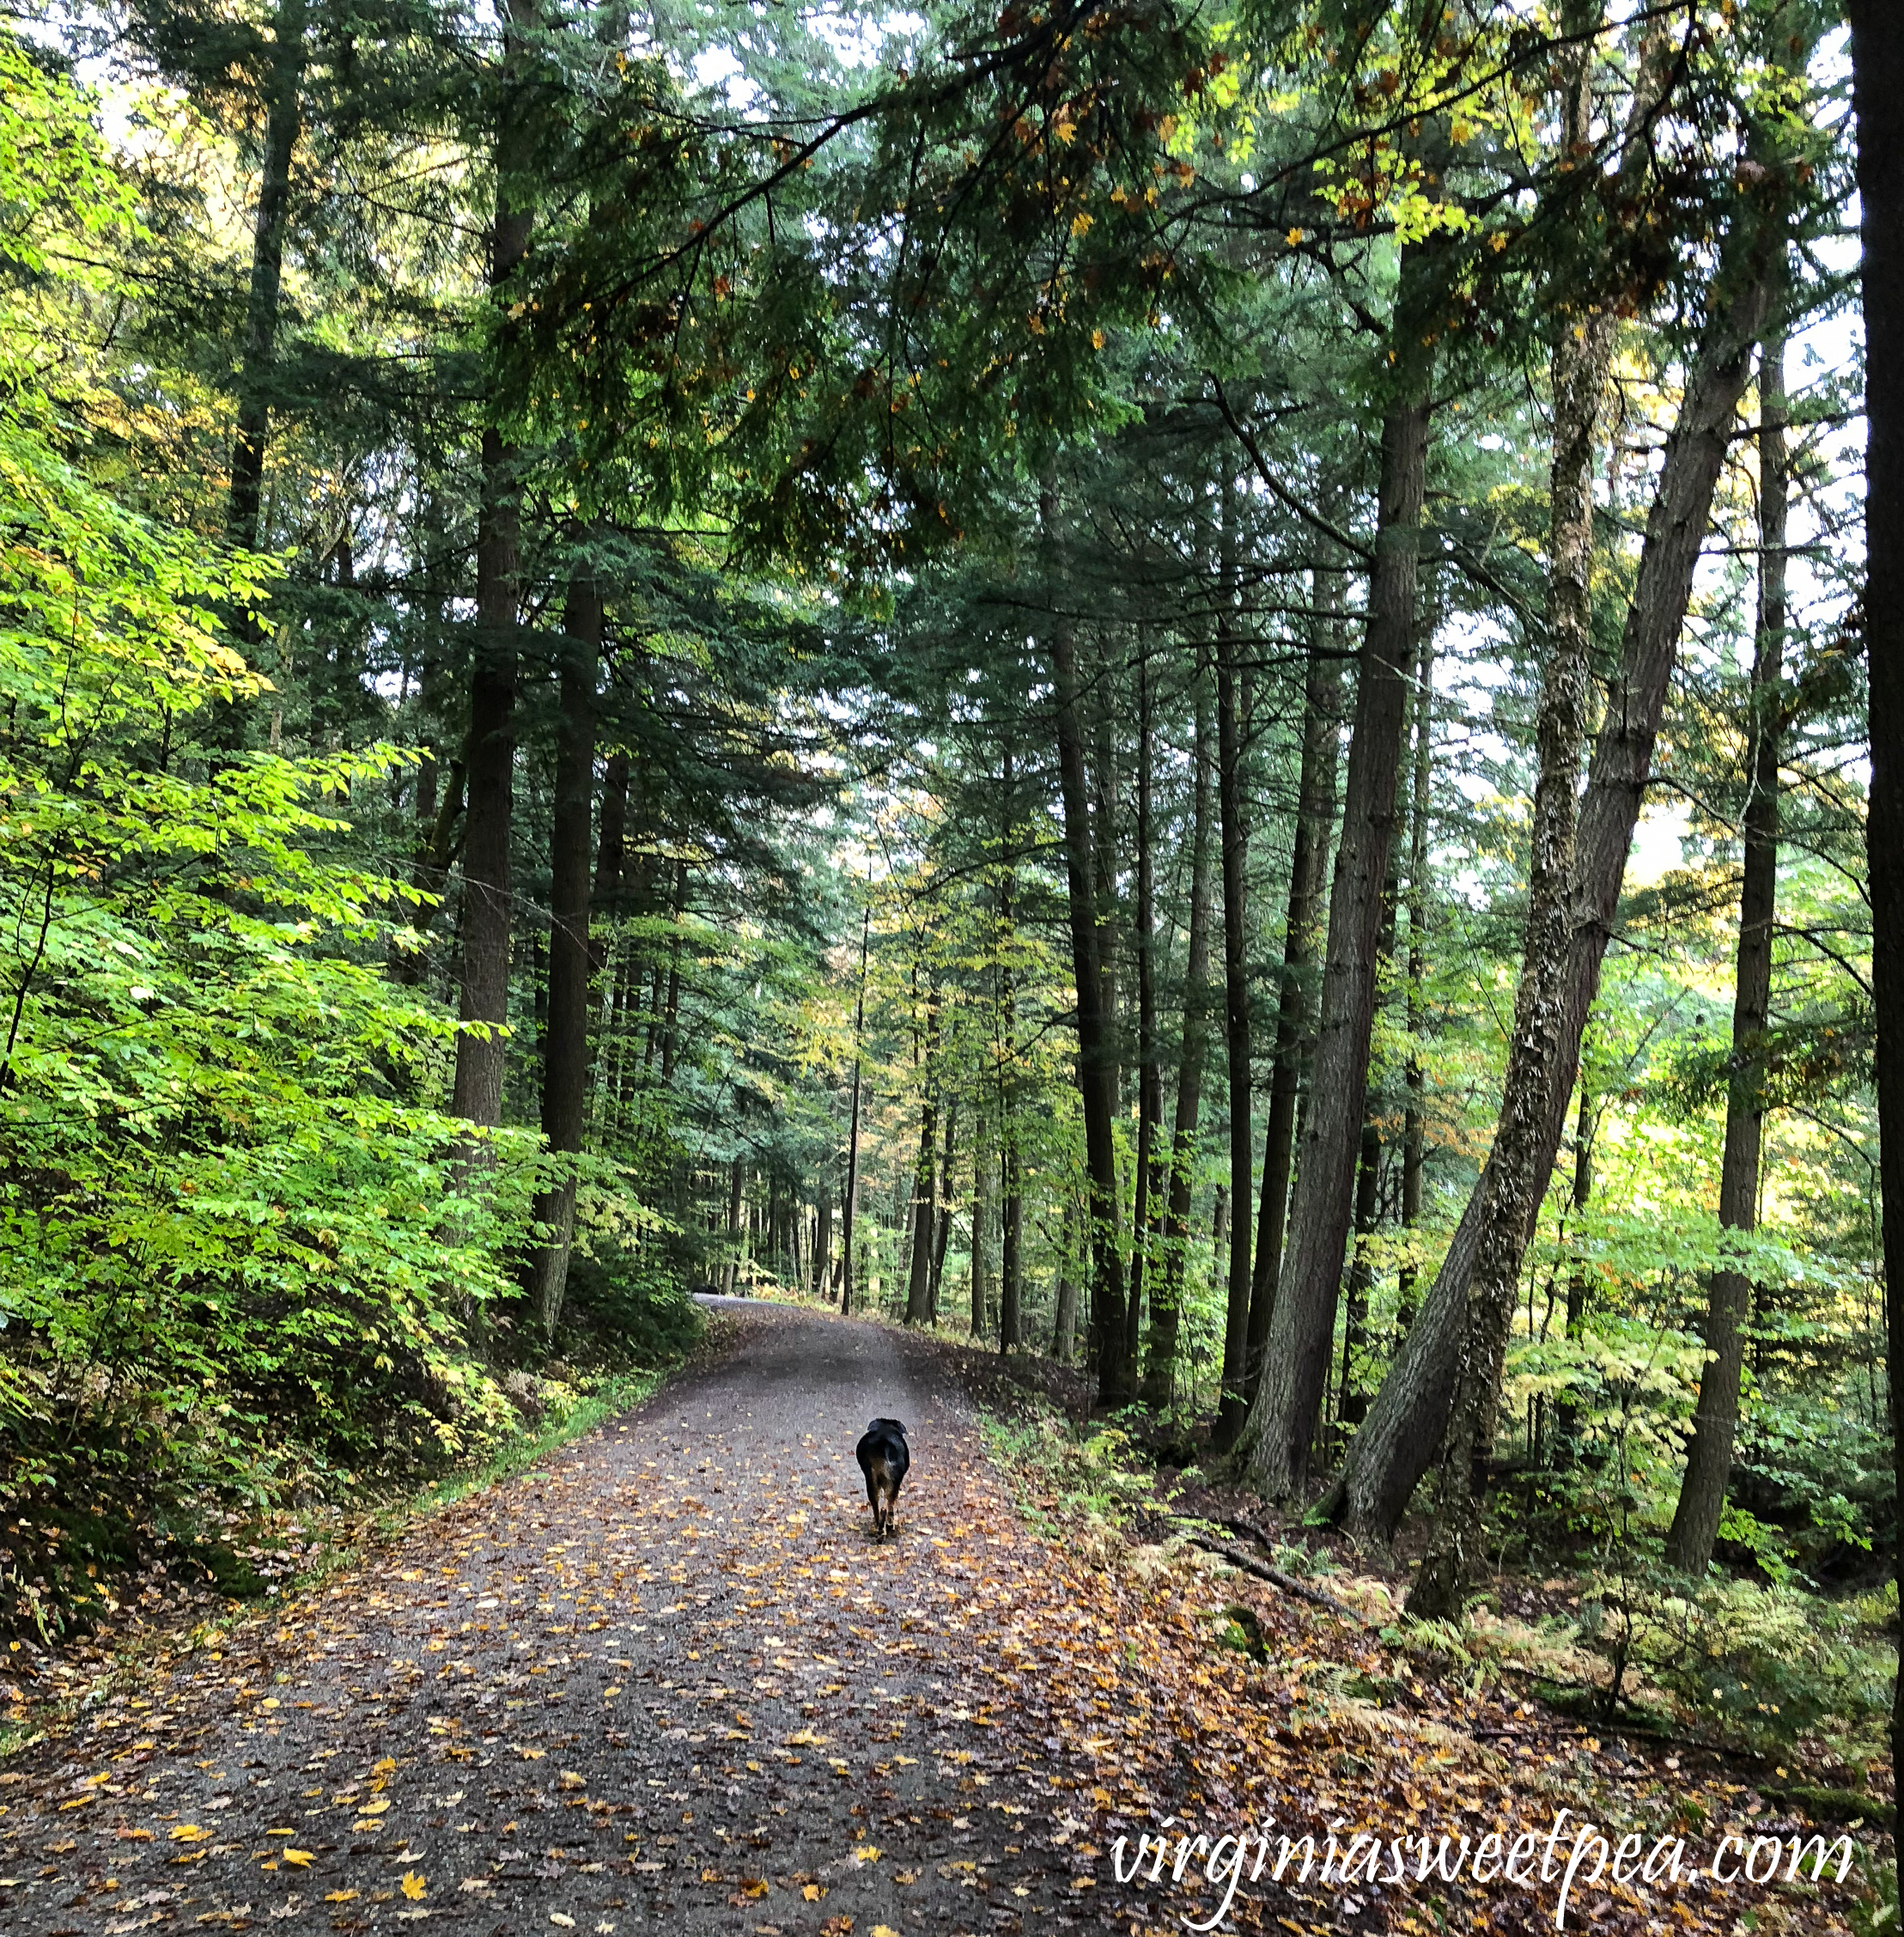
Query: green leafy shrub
x,y
237,1257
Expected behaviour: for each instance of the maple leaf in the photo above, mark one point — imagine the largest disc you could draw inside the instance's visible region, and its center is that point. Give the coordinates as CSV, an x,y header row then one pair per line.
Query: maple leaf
x,y
866,1852
414,1886
298,1858
812,1891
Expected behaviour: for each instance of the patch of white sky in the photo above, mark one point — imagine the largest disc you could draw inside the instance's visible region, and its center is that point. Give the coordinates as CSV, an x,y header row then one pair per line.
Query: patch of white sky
x,y
1825,542
857,37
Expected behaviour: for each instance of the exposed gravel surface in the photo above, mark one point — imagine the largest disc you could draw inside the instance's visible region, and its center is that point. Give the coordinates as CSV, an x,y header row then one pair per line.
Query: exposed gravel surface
x,y
666,1681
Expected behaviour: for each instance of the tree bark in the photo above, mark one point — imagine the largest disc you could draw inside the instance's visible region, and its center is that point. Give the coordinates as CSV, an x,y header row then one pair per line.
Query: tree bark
x,y
943,1233
822,1240
736,1191
981,1234
1308,869
565,1044
1064,1305
1877,87
1095,1069
611,848
1522,1159
283,120
1566,1413
1230,728
1147,1187
1414,1079
1011,1282
1011,1200
1351,1402
482,1046
1302,1326
1408,1421
1167,1297
925,1195
1709,1455
849,1202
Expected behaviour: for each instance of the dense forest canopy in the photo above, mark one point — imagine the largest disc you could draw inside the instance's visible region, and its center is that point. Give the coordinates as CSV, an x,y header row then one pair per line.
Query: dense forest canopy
x,y
1183,688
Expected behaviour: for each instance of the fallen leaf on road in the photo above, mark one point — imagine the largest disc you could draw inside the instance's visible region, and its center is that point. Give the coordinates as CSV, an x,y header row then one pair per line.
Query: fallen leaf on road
x,y
299,1859
562,1918
188,1832
414,1885
866,1852
339,1896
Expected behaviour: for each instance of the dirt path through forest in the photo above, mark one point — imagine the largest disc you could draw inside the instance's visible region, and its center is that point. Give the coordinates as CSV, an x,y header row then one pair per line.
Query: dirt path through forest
x,y
666,1681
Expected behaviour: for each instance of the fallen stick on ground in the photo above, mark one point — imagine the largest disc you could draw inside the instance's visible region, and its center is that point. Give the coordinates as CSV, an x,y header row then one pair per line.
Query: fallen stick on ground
x,y
1274,1575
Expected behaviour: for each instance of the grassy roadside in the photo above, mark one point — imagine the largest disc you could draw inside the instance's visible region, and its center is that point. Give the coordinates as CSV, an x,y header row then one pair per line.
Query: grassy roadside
x,y
106,1662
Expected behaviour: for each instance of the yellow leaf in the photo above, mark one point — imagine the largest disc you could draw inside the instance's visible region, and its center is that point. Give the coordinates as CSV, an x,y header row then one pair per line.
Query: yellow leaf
x,y
387,1767
375,1808
812,1891
884,1930
339,1896
299,1859
188,1832
866,1852
414,1885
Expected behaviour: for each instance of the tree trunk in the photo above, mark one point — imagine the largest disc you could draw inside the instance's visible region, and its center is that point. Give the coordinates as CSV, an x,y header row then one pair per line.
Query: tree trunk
x,y
1011,1209
1095,1067
1167,1299
1011,1296
1414,1113
924,1194
1877,87
1230,730
1521,1159
1064,1304
1302,1326
565,1046
671,1008
982,1234
849,1200
1351,1403
1408,1421
1709,1457
736,1189
1566,1415
1103,858
1150,1071
482,1046
1308,868
822,1241
943,1233
284,119
611,849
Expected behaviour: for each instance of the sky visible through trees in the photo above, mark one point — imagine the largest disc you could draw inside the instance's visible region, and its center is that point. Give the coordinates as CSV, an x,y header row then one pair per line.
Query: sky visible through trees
x,y
1185,691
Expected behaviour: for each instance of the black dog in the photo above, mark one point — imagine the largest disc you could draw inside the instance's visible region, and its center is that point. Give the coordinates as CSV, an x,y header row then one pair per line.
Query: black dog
x,y
884,1459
